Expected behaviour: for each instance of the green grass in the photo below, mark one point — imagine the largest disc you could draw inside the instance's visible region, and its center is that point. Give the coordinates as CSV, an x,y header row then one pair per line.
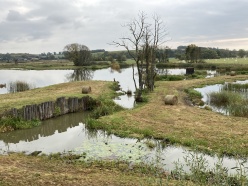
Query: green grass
x,y
228,60
19,86
10,124
225,98
218,61
233,102
219,64
105,107
53,65
169,77
236,87
51,93
200,173
194,96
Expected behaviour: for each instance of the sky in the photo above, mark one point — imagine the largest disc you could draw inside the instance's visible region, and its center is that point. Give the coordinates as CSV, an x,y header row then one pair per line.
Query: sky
x,y
37,26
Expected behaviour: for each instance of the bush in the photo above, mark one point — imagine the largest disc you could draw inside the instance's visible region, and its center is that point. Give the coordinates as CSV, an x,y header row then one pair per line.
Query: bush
x,y
234,103
105,107
19,86
10,123
169,78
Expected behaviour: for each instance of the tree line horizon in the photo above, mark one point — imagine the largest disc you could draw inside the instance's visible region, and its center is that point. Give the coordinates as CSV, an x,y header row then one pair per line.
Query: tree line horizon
x,y
122,55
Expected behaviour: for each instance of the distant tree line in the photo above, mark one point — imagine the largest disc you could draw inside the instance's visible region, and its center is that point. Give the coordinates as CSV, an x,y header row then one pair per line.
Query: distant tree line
x,y
193,53
190,53
23,57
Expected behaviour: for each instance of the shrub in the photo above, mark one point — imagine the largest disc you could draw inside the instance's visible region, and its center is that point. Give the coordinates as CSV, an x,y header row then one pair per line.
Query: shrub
x,y
19,86
234,103
105,107
169,78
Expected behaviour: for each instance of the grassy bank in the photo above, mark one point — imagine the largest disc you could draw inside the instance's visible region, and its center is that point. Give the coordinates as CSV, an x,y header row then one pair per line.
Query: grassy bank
x,y
57,169
182,124
222,65
17,169
52,65
100,91
51,93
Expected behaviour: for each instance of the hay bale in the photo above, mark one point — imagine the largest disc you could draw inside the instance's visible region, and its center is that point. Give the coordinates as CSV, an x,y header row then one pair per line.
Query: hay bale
x,y
170,100
86,90
232,73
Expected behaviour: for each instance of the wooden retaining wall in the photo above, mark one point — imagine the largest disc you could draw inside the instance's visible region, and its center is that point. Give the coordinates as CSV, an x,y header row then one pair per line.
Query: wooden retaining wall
x,y
51,109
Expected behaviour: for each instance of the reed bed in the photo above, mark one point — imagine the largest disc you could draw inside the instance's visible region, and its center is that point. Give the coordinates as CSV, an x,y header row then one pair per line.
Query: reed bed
x,y
234,103
19,86
236,87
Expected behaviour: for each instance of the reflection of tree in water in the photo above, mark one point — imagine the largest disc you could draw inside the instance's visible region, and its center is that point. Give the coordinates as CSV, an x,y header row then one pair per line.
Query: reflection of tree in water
x,y
47,128
162,71
115,67
80,75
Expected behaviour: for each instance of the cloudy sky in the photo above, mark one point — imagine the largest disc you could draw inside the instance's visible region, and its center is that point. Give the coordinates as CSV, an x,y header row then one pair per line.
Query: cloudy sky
x,y
36,26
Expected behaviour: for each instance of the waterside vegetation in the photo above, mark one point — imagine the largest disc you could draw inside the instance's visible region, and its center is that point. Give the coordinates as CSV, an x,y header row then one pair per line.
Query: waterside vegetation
x,y
183,124
199,129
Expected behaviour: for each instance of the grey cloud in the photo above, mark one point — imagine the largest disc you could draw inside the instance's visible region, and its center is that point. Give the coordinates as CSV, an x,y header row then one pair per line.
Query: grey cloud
x,y
63,21
15,16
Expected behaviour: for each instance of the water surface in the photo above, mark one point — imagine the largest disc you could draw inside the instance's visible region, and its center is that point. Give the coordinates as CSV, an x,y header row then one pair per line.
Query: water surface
x,y
68,133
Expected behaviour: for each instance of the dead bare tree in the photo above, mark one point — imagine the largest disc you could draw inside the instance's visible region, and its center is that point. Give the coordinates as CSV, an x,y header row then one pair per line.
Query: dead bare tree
x,y
142,45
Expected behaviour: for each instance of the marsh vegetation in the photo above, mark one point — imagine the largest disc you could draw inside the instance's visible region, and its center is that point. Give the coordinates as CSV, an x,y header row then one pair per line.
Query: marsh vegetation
x,y
198,129
19,86
230,99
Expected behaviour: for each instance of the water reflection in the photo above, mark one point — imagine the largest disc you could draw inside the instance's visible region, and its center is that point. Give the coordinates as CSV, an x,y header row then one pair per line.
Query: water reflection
x,y
177,71
68,133
38,78
48,128
80,75
207,90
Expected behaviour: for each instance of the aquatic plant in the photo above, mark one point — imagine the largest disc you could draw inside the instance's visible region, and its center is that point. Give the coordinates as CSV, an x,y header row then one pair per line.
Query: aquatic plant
x,y
11,123
19,86
224,98
233,102
169,77
105,107
200,173
236,87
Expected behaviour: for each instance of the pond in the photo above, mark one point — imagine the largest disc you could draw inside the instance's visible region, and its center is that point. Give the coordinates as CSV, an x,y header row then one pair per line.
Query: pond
x,y
69,134
217,88
42,78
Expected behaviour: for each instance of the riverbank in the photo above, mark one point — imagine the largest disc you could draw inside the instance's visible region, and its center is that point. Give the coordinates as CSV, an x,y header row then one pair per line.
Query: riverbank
x,y
51,93
50,101
19,169
52,65
182,124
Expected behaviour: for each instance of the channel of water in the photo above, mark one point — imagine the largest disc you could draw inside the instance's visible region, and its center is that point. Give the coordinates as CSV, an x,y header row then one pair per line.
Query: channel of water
x,y
68,133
